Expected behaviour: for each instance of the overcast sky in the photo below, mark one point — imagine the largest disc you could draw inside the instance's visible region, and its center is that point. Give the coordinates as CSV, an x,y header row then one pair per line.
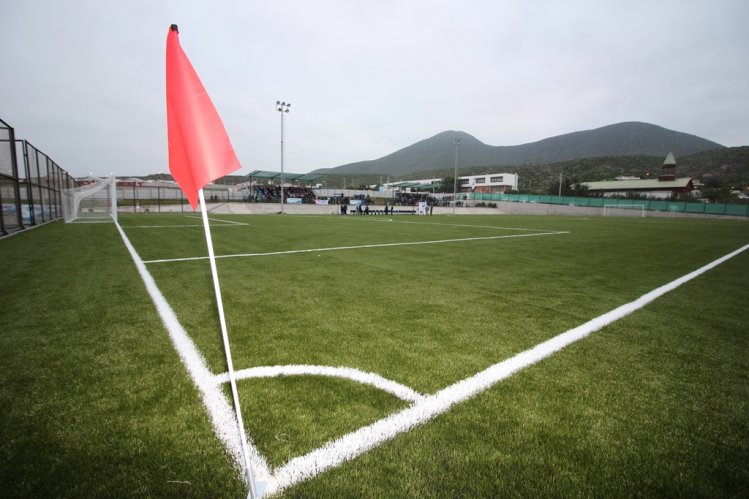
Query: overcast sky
x,y
84,80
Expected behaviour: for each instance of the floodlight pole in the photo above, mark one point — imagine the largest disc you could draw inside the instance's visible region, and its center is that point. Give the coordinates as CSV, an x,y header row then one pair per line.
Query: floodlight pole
x,y
455,176
282,107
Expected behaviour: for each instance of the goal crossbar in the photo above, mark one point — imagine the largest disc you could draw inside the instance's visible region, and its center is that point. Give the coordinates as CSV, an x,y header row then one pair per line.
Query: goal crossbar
x,y
623,209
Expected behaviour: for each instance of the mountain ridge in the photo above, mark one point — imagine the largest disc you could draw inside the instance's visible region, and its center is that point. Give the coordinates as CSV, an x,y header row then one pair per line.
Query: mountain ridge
x,y
620,139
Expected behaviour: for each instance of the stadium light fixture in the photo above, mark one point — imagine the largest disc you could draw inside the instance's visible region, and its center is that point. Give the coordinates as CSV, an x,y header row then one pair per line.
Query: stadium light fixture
x,y
283,108
455,176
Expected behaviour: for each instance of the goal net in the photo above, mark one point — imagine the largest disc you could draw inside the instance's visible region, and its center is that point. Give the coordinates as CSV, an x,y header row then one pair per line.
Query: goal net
x,y
624,210
91,203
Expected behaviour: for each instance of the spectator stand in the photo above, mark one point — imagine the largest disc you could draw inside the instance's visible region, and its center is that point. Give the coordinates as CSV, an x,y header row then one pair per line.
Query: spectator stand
x,y
265,186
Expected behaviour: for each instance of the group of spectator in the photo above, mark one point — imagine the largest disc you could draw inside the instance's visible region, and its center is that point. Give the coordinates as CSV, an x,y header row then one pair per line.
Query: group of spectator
x,y
411,198
389,209
272,194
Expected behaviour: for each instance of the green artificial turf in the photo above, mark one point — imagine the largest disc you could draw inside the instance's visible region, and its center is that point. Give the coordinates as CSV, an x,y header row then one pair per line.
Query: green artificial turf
x,y
93,399
283,426
654,404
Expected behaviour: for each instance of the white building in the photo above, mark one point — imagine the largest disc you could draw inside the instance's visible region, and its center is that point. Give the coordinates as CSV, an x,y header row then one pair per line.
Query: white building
x,y
489,183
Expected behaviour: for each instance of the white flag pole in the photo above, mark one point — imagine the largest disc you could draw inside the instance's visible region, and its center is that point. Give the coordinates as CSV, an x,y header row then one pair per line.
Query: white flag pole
x,y
225,335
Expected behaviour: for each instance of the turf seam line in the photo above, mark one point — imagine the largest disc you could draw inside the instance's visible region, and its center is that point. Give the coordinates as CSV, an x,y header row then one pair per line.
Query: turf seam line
x,y
352,445
343,248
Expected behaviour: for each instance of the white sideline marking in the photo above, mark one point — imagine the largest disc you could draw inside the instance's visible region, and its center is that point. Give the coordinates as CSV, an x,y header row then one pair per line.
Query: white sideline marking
x,y
401,391
366,438
363,246
221,414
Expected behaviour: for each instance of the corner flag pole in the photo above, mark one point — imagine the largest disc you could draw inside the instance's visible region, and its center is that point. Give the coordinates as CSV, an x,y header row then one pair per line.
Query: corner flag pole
x,y
200,151
253,493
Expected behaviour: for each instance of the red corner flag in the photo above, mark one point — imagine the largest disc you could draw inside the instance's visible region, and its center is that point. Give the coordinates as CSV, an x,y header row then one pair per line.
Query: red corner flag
x,y
199,148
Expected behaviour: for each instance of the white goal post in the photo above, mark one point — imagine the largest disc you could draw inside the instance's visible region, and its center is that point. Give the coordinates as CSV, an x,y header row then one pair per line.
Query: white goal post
x,y
91,203
623,210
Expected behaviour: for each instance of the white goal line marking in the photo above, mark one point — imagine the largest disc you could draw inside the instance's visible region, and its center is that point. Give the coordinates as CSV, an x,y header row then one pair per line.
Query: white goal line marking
x,y
362,246
192,226
224,223
366,438
219,220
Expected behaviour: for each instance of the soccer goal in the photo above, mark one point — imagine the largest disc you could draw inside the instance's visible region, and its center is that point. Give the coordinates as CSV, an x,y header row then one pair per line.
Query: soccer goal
x,y
91,203
624,210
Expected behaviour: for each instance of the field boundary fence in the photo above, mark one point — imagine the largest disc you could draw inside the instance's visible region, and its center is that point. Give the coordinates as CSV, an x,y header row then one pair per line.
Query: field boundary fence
x,y
31,184
731,209
140,198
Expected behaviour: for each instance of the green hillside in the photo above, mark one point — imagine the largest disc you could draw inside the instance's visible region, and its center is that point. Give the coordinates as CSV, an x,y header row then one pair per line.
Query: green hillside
x,y
727,167
720,168
623,139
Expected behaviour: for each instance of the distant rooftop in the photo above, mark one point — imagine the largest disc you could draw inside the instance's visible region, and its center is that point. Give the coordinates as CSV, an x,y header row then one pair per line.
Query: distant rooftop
x,y
644,184
304,177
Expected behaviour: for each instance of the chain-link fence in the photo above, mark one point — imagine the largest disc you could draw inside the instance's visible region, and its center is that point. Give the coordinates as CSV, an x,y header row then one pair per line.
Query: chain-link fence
x,y
30,194
45,181
138,198
10,195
